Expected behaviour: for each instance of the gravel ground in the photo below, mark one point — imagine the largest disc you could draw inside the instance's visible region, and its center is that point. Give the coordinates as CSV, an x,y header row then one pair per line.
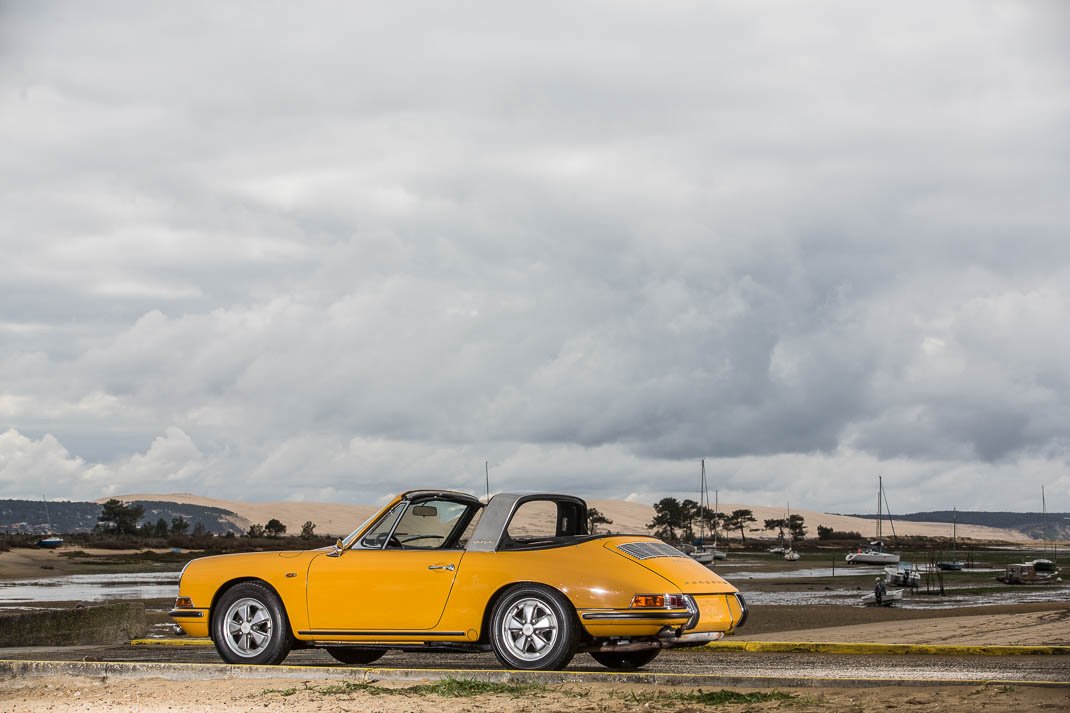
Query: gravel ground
x,y
61,695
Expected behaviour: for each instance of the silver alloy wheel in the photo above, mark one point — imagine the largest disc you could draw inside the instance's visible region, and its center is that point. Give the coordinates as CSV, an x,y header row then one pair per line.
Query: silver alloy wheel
x,y
248,627
529,629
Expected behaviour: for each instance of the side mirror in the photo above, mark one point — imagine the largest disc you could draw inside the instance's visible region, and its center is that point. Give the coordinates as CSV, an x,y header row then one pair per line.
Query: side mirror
x,y
339,548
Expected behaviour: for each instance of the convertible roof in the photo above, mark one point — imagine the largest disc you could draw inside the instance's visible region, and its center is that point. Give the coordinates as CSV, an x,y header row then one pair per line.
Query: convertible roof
x,y
499,511
444,494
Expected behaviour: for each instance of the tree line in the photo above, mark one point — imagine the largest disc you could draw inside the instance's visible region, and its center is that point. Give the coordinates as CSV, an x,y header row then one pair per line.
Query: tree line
x,y
119,518
680,520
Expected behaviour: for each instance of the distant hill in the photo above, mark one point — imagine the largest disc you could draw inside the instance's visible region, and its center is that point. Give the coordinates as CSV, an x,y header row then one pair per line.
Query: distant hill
x,y
340,518
29,516
221,516
1039,526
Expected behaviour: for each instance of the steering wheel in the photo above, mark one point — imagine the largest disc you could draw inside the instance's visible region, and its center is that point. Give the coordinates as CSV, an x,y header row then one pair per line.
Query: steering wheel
x,y
424,537
394,542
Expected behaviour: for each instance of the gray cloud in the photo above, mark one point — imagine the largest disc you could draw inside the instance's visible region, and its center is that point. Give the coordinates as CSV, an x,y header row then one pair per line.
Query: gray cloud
x,y
330,253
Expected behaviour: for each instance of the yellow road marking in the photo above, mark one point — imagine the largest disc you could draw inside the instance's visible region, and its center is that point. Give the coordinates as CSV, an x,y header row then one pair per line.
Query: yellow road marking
x,y
833,647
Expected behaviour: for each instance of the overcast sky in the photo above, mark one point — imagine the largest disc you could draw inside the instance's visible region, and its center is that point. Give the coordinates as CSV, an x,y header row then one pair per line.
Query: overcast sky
x,y
329,251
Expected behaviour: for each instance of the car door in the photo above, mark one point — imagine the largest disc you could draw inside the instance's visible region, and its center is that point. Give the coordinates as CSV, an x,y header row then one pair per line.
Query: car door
x,y
397,577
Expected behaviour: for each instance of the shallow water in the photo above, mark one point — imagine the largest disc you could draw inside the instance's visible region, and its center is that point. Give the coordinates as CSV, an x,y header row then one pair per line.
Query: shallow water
x,y
953,599
90,588
804,573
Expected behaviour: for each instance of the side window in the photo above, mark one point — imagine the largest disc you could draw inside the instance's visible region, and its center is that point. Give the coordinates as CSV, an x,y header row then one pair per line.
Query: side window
x,y
377,536
533,520
427,525
462,541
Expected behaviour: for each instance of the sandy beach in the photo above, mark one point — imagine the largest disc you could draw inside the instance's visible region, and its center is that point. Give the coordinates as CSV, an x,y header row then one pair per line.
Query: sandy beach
x,y
32,563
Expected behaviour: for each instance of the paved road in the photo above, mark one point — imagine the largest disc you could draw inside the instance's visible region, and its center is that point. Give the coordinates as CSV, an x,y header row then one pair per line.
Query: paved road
x,y
776,668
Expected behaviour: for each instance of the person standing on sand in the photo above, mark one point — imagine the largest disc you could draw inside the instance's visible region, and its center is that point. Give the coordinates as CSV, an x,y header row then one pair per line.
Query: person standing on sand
x,y
879,589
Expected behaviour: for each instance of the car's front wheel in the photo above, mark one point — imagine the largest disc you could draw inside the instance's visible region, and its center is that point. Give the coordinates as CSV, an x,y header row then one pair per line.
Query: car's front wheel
x,y
250,625
533,627
352,655
626,659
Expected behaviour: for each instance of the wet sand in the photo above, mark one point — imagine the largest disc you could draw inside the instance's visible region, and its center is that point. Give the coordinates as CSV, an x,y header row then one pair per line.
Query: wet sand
x,y
1013,625
33,563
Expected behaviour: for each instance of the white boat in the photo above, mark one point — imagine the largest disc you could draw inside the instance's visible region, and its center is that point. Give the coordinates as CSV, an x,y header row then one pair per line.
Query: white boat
x,y
875,553
791,556
778,550
701,556
50,541
902,577
701,552
890,597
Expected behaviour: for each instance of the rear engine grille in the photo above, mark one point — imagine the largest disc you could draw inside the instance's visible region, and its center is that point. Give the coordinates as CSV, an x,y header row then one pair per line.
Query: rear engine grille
x,y
648,550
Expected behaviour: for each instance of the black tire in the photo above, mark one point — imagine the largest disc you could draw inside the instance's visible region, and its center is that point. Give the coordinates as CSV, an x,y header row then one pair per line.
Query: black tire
x,y
353,655
625,660
543,625
266,639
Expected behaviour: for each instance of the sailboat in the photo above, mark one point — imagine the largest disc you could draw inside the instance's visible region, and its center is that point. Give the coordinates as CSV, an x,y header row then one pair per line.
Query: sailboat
x,y
955,564
703,553
50,541
790,554
875,553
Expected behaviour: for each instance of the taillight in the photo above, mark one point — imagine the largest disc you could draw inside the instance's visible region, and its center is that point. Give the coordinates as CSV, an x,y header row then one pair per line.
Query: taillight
x,y
659,601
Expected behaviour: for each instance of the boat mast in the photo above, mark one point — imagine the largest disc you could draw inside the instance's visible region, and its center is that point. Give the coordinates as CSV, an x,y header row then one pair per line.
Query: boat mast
x,y
716,507
703,503
888,510
48,516
954,529
880,489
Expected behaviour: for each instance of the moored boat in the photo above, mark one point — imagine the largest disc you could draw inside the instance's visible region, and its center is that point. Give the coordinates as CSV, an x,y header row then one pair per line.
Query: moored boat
x,y
50,541
955,564
1028,573
889,598
902,577
702,552
873,554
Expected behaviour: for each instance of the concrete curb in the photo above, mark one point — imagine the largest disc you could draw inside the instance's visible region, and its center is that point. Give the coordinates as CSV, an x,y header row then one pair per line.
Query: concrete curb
x,y
81,626
830,647
795,647
104,670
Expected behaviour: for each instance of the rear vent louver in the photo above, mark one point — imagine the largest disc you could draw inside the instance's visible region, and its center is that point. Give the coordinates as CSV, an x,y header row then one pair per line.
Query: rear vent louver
x,y
647,550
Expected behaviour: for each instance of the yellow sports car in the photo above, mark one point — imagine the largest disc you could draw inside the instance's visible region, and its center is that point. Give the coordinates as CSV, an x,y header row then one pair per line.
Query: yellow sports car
x,y
435,571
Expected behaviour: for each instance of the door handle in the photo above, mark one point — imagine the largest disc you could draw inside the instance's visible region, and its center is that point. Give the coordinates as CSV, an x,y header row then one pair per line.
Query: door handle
x,y
447,567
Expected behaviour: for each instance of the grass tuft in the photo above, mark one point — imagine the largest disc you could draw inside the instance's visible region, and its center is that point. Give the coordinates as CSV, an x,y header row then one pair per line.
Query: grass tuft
x,y
447,688
711,698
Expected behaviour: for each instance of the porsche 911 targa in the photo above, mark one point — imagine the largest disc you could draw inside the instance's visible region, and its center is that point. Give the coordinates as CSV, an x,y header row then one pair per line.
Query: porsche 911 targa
x,y
432,571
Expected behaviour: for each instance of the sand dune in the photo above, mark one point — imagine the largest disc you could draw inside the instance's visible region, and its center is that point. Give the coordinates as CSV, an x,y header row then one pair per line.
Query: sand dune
x,y
340,519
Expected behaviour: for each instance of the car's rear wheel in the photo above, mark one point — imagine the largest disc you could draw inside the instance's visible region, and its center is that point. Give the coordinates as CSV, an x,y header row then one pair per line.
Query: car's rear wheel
x,y
533,627
250,625
625,659
353,655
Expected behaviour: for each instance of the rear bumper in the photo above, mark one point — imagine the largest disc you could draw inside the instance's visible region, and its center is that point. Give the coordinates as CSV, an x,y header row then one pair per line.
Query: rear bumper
x,y
707,618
